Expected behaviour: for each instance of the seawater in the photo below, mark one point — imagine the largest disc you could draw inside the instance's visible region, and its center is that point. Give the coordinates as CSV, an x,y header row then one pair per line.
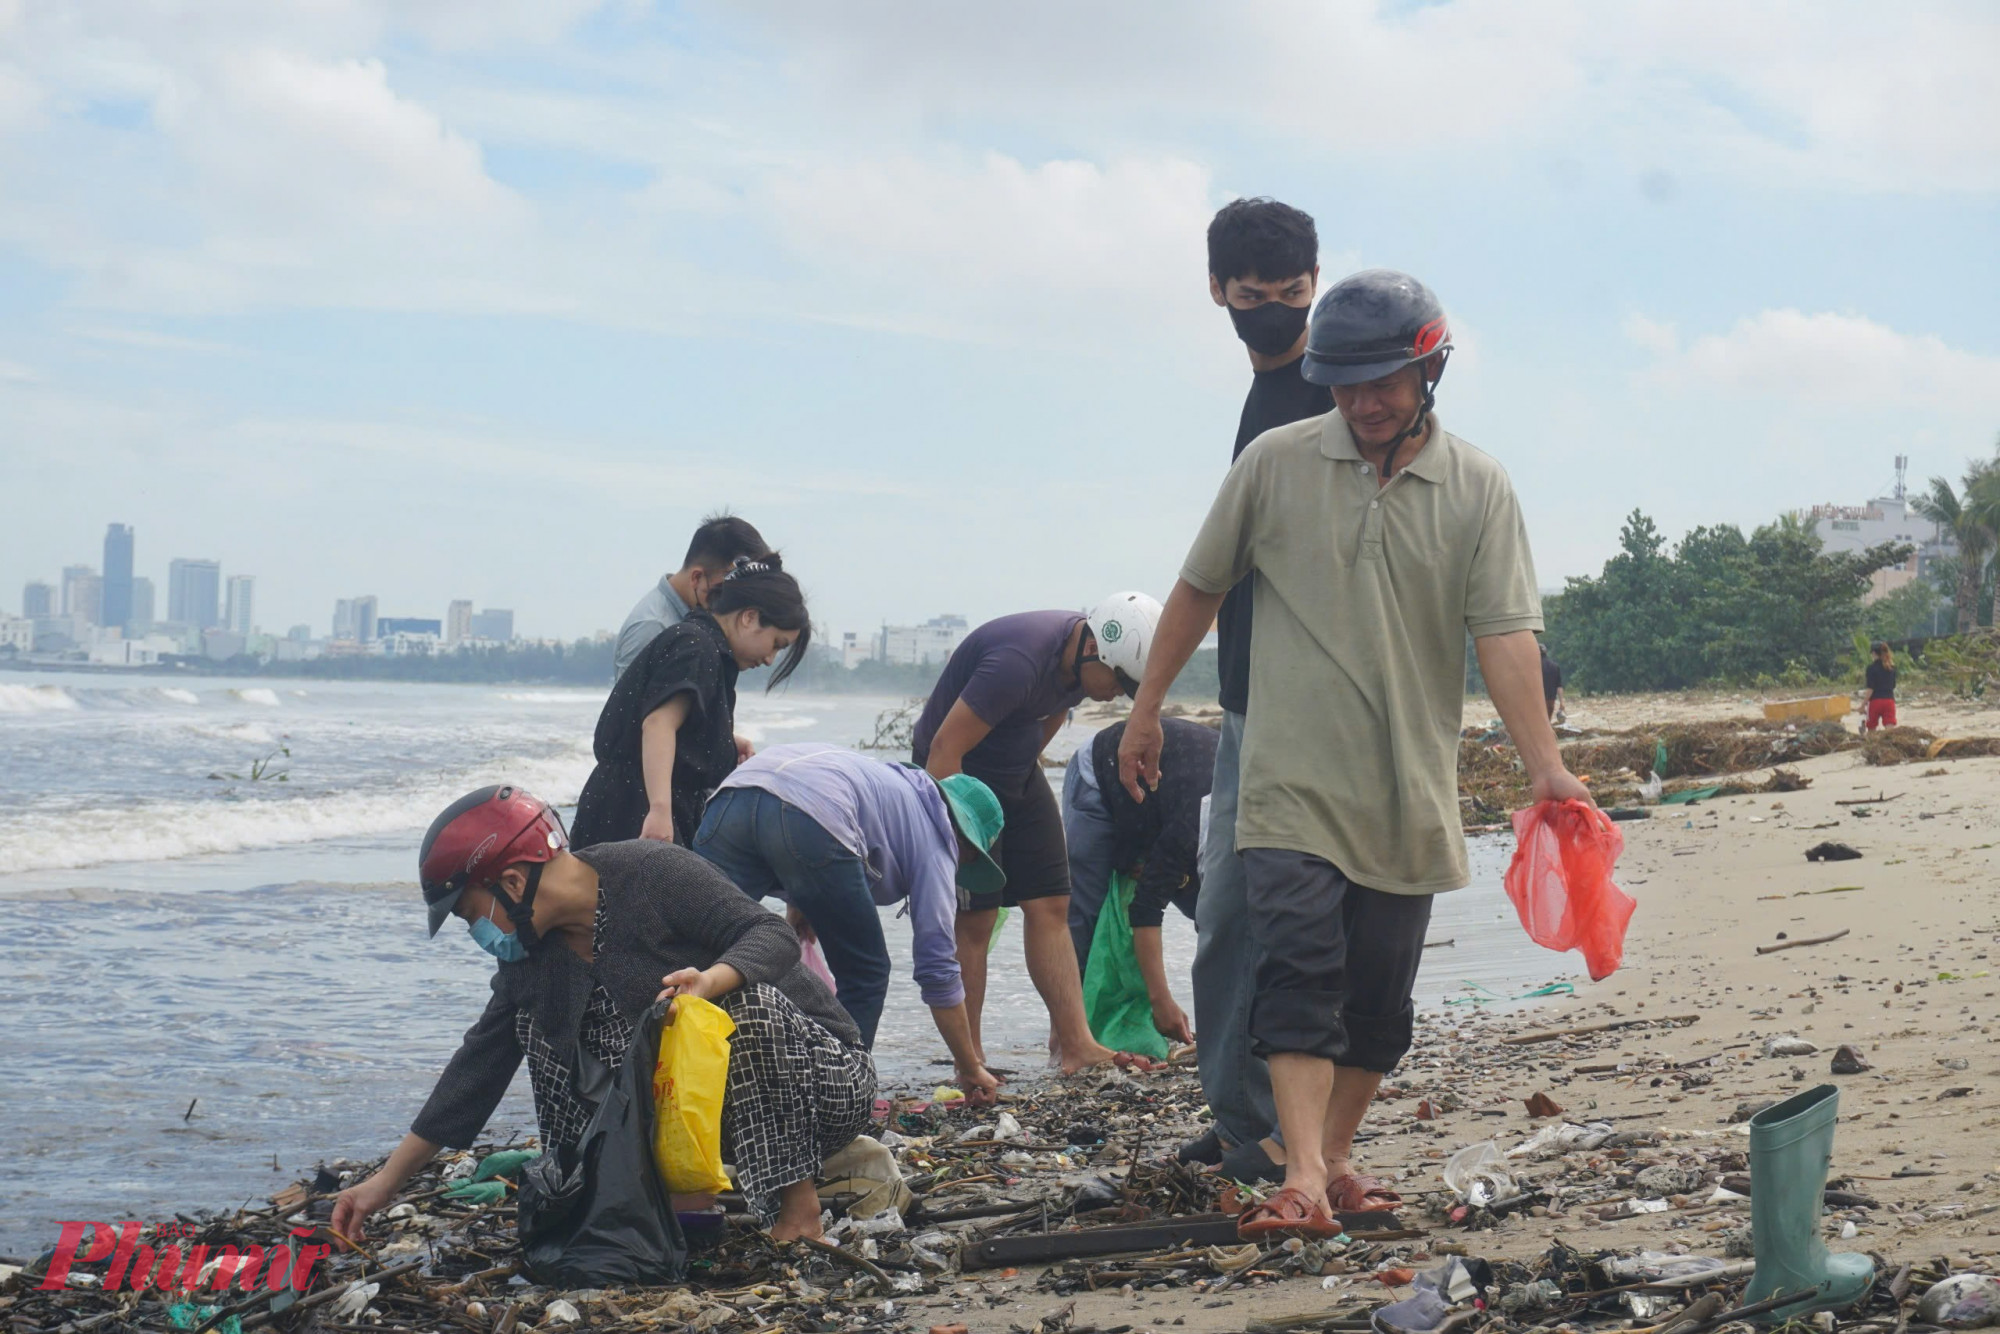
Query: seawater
x,y
185,935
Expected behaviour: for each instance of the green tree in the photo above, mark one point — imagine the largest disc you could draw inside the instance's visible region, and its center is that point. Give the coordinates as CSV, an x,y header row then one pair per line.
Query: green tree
x,y
1971,514
1720,607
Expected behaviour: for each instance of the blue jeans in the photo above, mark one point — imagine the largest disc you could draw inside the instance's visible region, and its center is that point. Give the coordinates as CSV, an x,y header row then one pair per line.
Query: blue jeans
x,y
771,849
1087,830
1235,1080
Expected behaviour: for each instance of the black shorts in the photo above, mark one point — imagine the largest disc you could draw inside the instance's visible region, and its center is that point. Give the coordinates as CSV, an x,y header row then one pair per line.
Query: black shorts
x,y
1031,851
1339,961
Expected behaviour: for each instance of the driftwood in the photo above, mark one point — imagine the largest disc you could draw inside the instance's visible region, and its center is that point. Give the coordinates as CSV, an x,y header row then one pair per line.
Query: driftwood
x,y
1794,944
1551,1034
1876,800
1118,1239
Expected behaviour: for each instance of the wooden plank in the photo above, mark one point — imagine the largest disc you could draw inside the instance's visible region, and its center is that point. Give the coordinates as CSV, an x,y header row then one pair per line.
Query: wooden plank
x,y
1081,1243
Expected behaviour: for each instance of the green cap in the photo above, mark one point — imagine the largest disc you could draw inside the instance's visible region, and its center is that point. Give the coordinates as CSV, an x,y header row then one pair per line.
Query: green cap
x,y
976,812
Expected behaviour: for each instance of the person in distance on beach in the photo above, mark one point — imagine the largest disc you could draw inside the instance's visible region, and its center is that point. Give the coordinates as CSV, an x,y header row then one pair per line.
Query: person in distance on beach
x,y
717,545
1379,542
666,736
838,835
1881,688
1157,841
1002,697
1263,267
587,940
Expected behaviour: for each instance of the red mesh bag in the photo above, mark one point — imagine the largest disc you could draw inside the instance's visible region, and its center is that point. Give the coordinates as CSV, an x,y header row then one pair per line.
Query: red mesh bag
x,y
1560,882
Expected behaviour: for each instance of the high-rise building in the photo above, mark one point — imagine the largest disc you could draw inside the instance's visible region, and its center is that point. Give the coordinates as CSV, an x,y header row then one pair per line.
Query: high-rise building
x,y
494,624
407,625
141,619
194,593
38,599
343,618
364,619
82,594
238,616
117,575
458,622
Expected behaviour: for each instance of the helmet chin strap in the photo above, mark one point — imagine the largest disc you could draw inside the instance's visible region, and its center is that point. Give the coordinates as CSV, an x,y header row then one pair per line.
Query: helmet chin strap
x,y
1416,426
522,914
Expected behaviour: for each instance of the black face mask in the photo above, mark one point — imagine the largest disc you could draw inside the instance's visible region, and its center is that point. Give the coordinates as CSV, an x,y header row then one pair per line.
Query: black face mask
x,y
1269,329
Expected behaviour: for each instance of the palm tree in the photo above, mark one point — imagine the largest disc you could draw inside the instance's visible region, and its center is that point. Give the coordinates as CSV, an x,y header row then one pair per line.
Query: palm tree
x,y
1972,517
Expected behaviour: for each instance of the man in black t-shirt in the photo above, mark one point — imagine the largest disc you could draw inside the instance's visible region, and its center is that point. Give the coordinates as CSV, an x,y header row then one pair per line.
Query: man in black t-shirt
x,y
1263,268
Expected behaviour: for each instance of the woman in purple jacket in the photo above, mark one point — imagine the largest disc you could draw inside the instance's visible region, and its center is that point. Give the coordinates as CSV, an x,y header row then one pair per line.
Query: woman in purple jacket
x,y
837,836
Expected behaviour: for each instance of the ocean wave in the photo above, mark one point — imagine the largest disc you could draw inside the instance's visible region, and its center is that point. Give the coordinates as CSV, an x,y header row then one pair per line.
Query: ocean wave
x,y
35,699
548,697
163,830
255,733
174,694
258,695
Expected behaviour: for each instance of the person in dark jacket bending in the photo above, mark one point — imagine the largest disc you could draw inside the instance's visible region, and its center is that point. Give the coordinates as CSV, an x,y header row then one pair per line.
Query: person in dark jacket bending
x,y
1157,840
587,940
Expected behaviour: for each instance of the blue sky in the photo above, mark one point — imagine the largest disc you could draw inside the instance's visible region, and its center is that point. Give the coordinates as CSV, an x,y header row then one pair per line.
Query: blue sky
x,y
493,298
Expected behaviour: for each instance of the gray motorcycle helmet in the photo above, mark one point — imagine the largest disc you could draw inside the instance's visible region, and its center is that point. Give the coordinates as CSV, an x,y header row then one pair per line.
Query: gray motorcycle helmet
x,y
1372,323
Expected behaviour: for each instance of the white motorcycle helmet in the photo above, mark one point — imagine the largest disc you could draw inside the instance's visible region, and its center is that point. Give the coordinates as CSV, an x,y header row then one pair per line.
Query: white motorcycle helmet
x,y
1123,625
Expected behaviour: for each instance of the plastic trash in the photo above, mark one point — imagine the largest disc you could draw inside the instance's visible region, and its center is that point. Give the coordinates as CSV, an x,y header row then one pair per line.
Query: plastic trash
x,y
866,1168
186,1315
1649,791
1114,991
478,1192
350,1304
688,1082
814,959
596,1215
1550,1141
1963,1301
1477,1176
1657,1266
1560,882
1008,1130
1789,1046
561,1312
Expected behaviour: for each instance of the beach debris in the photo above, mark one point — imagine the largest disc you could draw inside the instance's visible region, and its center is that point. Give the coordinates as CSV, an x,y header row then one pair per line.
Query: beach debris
x,y
1795,944
1789,1046
1963,1301
1477,1174
1848,1060
1541,1104
1830,851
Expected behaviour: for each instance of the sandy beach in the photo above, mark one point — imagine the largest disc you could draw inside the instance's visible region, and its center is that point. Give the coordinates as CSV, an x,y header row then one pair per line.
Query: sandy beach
x,y
1912,985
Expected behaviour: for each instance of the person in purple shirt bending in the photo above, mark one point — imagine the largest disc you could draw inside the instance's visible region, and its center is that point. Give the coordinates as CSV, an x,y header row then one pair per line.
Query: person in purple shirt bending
x,y
835,835
1002,697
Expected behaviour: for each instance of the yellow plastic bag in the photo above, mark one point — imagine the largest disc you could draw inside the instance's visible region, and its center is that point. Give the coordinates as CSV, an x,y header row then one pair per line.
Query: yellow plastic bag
x,y
688,1082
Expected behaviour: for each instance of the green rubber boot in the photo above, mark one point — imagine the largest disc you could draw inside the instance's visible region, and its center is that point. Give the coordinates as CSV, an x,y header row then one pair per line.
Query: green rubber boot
x,y
1790,1147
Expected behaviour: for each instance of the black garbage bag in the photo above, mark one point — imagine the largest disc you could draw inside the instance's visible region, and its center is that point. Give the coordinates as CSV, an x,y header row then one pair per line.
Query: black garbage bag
x,y
598,1215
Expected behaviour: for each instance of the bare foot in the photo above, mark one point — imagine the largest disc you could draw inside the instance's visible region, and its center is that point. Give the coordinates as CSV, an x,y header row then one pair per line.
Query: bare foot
x,y
1089,1055
798,1213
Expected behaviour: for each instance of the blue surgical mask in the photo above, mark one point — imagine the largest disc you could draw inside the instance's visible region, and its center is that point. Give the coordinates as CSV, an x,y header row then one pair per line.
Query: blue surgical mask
x,y
502,945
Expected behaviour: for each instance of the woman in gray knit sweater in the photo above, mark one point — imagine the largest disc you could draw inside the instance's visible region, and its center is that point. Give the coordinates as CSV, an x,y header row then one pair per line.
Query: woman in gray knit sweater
x,y
587,940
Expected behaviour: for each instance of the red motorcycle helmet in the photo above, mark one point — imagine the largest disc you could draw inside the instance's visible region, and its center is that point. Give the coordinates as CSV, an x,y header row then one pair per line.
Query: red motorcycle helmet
x,y
480,835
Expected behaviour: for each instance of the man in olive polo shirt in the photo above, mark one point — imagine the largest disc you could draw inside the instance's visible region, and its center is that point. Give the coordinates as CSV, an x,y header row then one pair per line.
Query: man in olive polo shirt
x,y
1379,541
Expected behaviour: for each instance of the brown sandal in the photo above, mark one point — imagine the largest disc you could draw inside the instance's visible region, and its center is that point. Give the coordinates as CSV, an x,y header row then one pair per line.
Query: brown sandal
x,y
1355,1194
1291,1212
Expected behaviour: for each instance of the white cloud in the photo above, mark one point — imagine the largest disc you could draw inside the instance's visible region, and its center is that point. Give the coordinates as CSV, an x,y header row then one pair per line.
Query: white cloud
x,y
979,249
14,372
1826,358
1840,93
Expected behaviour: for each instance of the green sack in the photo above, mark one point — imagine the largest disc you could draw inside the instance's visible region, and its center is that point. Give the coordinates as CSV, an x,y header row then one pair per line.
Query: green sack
x,y
1114,992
